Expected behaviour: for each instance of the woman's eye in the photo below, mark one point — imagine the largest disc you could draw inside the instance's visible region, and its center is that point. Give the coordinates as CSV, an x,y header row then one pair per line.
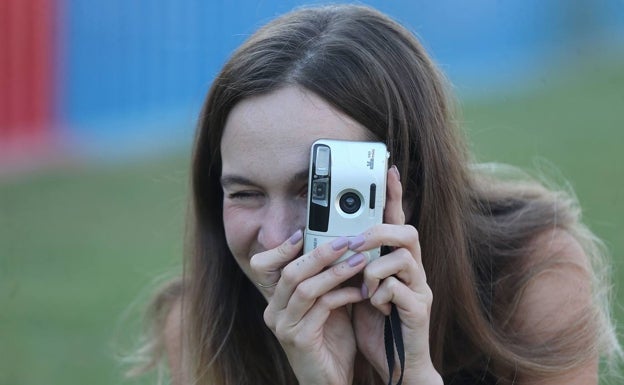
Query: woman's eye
x,y
242,195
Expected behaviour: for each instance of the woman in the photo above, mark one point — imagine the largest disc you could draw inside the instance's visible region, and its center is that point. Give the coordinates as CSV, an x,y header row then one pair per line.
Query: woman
x,y
498,284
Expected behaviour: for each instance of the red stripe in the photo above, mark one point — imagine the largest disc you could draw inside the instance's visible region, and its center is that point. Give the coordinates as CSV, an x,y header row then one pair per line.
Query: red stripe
x,y
4,69
26,70
19,44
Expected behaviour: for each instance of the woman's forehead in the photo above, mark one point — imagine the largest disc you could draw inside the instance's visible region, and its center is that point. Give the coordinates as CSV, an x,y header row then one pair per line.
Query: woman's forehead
x,y
289,118
291,110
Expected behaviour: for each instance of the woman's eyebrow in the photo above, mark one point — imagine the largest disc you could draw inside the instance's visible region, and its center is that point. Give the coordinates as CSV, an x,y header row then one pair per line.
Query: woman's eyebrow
x,y
229,180
233,179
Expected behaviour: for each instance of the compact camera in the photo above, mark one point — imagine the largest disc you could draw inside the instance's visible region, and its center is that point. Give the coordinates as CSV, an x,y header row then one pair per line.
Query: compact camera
x,y
346,191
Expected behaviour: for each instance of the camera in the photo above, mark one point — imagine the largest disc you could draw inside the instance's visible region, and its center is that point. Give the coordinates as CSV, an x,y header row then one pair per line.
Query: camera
x,y
346,191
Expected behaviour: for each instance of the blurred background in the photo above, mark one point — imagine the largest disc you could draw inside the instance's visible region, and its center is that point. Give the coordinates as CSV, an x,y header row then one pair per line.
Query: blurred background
x,y
98,101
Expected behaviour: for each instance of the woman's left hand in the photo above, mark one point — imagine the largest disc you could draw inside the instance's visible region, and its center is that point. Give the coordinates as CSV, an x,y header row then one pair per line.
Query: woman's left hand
x,y
398,277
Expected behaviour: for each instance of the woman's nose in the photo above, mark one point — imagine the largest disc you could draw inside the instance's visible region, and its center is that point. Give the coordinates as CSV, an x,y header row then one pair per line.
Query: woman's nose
x,y
281,220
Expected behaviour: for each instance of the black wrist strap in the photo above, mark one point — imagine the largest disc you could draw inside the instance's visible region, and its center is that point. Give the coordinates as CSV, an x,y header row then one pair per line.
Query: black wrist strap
x,y
393,337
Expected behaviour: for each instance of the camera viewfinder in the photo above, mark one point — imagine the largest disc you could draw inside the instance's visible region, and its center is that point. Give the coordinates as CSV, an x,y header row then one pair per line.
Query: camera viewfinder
x,y
322,161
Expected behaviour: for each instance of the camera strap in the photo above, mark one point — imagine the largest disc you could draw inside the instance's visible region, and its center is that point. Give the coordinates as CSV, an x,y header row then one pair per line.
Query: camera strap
x,y
393,338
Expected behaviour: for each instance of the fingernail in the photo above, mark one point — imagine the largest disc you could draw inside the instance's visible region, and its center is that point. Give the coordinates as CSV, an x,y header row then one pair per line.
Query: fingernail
x,y
396,171
355,259
339,243
355,242
296,237
364,291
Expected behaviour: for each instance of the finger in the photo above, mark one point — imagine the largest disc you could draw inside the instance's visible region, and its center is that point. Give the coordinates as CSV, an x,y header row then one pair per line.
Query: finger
x,y
266,266
307,328
393,213
309,291
305,267
414,307
399,263
405,236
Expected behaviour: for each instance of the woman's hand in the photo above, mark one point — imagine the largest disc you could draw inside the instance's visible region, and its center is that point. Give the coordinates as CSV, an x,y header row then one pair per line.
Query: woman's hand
x,y
306,309
399,278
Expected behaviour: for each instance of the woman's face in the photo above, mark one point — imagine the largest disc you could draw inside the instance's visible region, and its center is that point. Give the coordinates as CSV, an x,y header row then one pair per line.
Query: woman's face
x,y
265,153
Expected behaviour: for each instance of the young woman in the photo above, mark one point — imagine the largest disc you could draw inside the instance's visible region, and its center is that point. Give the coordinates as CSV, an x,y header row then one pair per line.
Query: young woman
x,y
495,281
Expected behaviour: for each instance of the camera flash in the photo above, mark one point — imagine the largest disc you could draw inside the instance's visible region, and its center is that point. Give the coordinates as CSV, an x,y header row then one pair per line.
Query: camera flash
x,y
322,161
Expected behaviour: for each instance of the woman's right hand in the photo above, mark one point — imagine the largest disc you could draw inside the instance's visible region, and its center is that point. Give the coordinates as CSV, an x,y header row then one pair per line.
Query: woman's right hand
x,y
306,309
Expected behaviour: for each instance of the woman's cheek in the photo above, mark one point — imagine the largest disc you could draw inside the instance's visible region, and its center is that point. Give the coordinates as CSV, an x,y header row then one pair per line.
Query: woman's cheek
x,y
239,232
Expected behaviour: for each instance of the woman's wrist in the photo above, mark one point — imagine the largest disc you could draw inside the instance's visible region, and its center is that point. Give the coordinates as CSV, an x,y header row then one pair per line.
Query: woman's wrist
x,y
426,377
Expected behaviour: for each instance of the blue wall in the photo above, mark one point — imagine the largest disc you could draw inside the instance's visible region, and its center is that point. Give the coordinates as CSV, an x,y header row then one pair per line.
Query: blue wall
x,y
134,72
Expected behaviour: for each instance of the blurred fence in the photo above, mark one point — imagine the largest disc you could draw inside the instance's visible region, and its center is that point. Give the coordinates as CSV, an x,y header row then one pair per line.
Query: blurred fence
x,y
110,76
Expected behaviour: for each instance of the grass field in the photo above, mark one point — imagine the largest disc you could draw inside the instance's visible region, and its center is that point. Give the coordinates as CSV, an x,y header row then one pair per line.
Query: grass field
x,y
80,245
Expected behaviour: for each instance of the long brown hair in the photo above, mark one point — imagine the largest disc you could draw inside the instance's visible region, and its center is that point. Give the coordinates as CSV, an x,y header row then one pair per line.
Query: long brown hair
x,y
475,231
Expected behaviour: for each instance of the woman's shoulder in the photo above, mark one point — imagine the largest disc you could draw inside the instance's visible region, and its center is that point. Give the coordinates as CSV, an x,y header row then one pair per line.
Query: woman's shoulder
x,y
167,312
558,308
162,336
558,289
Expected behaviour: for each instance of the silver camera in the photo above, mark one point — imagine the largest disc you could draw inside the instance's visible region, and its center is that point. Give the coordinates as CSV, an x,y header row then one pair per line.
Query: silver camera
x,y
346,191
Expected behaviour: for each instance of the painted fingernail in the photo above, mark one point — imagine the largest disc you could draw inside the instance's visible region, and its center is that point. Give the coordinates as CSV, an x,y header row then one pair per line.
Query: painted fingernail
x,y
339,243
364,291
296,237
355,242
355,259
396,171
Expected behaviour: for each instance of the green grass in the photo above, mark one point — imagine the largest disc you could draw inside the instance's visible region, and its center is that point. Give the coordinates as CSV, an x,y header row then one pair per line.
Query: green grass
x,y
79,245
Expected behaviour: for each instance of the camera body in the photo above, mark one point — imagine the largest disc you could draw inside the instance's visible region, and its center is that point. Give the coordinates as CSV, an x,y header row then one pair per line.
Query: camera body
x,y
346,191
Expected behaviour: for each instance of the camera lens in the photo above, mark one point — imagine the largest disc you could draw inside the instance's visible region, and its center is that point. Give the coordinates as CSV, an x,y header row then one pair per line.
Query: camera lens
x,y
350,202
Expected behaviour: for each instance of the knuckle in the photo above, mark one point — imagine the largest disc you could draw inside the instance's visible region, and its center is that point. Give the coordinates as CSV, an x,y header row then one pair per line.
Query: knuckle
x,y
269,318
324,302
412,232
289,334
338,271
304,292
428,296
404,255
391,283
322,254
255,263
259,263
377,301
374,230
316,254
283,251
288,275
281,332
373,234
